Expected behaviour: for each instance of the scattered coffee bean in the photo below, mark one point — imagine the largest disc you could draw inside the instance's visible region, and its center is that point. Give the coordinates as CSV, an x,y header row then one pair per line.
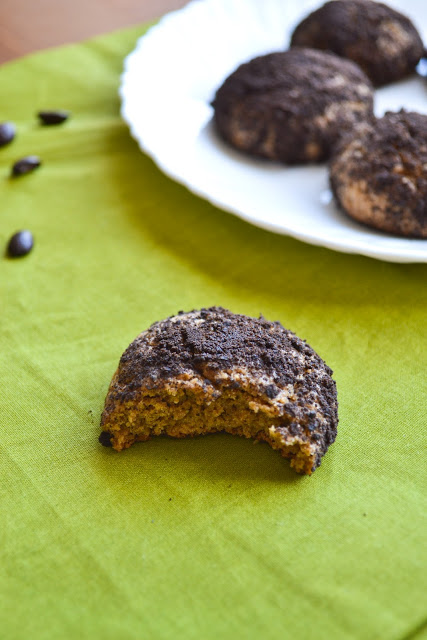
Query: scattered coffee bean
x,y
25,165
53,117
20,244
7,133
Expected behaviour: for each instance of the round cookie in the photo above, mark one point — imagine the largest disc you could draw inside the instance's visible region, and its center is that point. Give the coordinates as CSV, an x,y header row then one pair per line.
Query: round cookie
x,y
292,106
213,370
379,174
382,41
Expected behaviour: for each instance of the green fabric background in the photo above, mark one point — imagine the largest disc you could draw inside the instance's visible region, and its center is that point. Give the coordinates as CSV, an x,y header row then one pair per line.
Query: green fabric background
x,y
214,537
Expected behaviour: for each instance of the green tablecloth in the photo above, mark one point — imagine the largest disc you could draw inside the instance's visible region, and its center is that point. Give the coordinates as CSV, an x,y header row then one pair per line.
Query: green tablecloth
x,y
211,538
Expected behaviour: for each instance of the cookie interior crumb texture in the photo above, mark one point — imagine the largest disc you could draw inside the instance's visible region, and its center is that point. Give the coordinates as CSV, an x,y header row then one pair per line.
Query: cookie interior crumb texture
x,y
379,174
382,41
211,370
292,106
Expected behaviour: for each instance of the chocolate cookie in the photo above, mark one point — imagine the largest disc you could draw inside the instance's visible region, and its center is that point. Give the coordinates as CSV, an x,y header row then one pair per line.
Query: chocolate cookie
x,y
379,174
213,370
292,106
382,41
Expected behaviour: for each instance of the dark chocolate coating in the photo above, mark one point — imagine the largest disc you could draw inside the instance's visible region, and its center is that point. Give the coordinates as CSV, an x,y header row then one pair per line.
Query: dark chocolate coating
x,y
382,41
292,106
379,174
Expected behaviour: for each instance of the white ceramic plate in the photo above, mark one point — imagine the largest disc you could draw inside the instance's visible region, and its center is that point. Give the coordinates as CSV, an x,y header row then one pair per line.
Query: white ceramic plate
x,y
168,84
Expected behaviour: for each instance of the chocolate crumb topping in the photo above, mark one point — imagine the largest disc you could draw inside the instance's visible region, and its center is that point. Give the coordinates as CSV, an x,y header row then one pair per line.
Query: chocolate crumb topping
x,y
105,439
222,340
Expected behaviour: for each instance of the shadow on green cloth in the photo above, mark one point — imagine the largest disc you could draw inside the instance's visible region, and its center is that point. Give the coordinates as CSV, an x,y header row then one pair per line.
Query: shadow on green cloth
x,y
248,259
215,458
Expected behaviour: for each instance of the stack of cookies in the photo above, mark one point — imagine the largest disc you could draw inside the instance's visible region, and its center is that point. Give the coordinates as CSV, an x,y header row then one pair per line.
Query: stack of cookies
x,y
314,102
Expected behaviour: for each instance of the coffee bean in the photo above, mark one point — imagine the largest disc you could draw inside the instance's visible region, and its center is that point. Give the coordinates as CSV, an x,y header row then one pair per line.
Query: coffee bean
x,y
25,165
7,133
20,244
53,117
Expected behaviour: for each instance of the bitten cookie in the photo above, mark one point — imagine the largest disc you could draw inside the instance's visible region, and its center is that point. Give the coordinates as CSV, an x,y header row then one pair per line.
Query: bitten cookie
x,y
292,106
382,41
379,174
213,370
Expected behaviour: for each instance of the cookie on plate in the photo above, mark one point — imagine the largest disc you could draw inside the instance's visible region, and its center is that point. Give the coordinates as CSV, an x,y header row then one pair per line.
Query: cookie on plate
x,y
382,41
292,106
213,370
379,174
